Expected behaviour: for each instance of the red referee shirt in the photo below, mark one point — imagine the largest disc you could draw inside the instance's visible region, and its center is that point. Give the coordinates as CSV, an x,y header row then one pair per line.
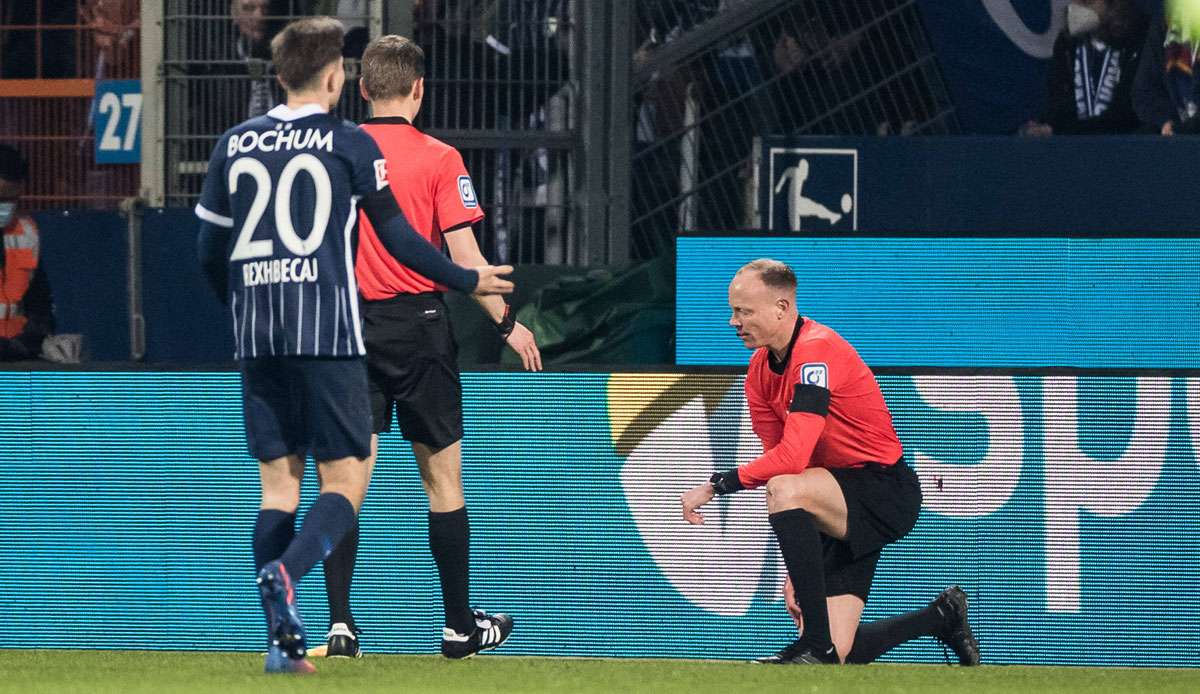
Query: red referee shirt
x,y
820,408
434,191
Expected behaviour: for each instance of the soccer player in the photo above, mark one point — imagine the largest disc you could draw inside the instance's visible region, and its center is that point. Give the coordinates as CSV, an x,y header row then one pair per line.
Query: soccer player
x,y
279,210
411,356
838,489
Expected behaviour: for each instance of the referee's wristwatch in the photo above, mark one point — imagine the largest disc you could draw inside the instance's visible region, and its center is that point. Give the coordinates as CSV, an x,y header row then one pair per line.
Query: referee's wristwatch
x,y
726,482
507,323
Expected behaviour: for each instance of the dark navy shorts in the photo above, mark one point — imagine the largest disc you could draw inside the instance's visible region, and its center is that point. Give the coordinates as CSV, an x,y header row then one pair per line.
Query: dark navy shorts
x,y
303,405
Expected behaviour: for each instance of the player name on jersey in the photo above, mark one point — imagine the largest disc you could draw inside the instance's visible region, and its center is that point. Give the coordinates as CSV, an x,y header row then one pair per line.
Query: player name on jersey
x,y
279,271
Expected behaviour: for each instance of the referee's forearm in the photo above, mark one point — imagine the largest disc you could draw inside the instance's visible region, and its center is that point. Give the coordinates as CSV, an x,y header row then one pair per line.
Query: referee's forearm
x,y
492,305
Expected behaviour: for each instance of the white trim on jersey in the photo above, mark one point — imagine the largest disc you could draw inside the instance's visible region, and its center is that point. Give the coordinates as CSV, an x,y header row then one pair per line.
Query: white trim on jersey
x,y
212,217
337,318
253,323
353,284
242,334
317,323
346,323
283,112
271,320
237,352
300,320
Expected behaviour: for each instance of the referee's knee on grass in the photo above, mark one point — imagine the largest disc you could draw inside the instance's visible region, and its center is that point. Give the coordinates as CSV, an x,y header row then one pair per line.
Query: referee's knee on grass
x,y
787,492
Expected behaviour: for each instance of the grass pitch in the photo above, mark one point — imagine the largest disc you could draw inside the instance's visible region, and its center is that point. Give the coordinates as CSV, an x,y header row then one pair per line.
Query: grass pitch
x,y
125,672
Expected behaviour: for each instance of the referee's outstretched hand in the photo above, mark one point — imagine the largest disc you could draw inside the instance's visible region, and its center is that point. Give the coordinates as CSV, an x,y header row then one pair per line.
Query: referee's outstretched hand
x,y
491,280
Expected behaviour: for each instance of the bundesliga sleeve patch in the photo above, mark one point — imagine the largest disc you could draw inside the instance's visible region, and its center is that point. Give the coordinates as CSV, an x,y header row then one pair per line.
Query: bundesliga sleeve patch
x,y
815,374
380,174
466,191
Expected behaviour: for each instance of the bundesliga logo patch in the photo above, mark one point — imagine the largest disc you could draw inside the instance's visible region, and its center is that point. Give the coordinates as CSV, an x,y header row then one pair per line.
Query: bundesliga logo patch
x,y
380,174
466,191
815,375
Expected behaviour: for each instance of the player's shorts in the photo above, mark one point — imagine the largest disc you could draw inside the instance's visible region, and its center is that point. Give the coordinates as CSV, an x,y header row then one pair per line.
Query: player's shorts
x,y
302,405
882,504
412,367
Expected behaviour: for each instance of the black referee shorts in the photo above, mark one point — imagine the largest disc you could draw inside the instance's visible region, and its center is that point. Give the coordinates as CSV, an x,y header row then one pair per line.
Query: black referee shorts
x,y
882,504
412,367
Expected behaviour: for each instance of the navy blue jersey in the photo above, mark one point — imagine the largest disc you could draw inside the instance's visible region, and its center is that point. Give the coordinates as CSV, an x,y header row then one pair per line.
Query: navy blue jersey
x,y
287,184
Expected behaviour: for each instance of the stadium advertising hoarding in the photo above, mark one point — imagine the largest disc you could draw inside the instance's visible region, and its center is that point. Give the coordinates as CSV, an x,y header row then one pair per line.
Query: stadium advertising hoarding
x,y
1068,506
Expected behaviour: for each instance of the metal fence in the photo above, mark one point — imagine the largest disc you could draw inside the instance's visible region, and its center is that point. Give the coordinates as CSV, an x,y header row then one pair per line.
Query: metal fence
x,y
711,75
51,54
216,73
594,130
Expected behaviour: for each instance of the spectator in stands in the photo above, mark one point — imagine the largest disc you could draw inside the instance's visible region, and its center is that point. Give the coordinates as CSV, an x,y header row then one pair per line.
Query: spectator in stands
x,y
353,15
26,315
241,56
1090,86
1165,92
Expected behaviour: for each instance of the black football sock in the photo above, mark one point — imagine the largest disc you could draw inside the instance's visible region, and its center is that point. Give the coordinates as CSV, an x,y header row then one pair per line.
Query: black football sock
x,y
325,523
450,542
800,543
876,638
339,572
273,532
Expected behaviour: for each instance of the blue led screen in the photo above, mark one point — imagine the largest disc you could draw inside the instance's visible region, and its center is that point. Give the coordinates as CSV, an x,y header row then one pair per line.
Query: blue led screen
x,y
1069,507
962,302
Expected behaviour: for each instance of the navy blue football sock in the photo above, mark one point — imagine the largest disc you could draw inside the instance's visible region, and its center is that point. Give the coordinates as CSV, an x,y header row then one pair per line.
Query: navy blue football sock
x,y
273,532
800,544
450,543
325,523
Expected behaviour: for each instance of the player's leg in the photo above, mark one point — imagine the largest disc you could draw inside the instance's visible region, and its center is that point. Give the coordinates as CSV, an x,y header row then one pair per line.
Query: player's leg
x,y
331,397
276,437
276,523
801,508
382,365
339,425
945,618
449,530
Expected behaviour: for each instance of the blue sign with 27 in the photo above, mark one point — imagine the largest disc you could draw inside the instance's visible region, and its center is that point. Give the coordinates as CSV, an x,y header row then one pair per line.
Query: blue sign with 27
x,y
117,117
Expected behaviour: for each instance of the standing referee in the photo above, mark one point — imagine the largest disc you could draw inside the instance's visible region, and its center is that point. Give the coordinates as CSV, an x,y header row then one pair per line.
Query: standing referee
x,y
411,354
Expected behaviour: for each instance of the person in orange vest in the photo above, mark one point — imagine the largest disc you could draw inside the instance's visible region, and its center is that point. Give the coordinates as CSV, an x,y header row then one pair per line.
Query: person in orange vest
x,y
26,316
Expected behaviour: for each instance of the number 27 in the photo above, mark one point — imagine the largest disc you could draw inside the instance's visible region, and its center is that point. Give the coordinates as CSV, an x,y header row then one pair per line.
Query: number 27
x,y
111,105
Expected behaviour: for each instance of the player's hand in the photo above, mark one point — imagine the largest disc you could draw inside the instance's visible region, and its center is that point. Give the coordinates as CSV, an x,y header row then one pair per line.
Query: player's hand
x,y
521,341
789,599
694,499
491,280
1167,129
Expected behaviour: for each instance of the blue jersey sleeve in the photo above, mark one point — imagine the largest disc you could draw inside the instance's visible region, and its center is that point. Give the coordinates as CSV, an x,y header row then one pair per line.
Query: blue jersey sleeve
x,y
368,168
214,205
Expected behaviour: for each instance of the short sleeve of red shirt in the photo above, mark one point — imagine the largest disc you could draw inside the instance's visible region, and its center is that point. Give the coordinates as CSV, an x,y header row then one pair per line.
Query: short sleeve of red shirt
x,y
455,201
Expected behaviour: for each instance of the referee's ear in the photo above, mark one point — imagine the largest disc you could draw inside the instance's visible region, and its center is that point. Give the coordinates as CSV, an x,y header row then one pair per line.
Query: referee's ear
x,y
362,89
418,89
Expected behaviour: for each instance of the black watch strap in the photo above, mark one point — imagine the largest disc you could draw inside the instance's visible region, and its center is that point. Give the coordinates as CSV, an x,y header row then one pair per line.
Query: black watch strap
x,y
726,482
507,323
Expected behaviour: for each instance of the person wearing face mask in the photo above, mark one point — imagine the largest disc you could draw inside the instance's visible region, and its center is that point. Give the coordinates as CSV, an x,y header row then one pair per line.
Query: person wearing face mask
x,y
1090,84
25,308
1166,95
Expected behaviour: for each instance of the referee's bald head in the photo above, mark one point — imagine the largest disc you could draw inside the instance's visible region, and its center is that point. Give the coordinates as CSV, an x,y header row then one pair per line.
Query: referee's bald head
x,y
776,275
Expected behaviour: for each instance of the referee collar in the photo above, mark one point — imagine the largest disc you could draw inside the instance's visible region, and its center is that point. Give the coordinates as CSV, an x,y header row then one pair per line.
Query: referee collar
x,y
780,367
388,120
